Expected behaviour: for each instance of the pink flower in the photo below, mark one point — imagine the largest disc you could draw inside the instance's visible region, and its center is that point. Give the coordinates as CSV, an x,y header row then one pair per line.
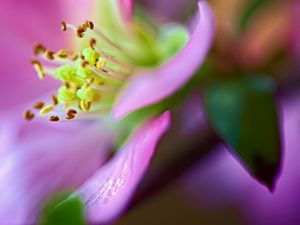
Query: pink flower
x,y
38,159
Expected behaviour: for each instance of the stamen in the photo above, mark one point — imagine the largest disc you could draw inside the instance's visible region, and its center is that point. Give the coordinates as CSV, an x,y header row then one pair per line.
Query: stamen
x,y
63,26
62,54
107,56
46,109
39,49
39,69
82,75
85,105
71,112
54,100
104,88
28,115
49,54
105,73
70,117
39,105
90,24
100,34
53,118
89,81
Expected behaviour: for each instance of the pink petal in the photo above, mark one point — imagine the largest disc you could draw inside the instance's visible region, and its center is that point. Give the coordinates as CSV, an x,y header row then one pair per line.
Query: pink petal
x,y
161,8
107,193
47,160
127,7
25,23
150,87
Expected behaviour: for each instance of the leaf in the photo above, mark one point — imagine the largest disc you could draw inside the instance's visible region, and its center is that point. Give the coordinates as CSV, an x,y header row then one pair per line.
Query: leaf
x,y
243,112
61,212
249,12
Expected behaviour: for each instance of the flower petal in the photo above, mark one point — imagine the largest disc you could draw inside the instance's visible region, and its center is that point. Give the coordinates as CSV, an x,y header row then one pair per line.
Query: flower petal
x,y
25,24
51,160
150,87
127,7
107,193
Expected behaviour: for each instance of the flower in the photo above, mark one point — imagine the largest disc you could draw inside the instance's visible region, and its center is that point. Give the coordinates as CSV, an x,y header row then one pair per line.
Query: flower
x,y
39,159
122,62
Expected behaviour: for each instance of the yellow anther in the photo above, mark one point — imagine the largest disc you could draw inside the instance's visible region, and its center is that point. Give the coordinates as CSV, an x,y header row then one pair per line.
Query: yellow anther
x,y
62,54
39,49
81,29
101,62
49,54
46,109
39,69
70,117
39,105
89,81
85,105
92,43
63,26
73,56
54,100
90,24
53,118
28,115
84,64
71,112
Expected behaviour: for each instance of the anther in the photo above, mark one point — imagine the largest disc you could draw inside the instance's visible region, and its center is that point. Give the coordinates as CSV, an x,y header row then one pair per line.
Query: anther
x,y
46,109
90,24
39,105
53,118
63,26
39,49
89,81
71,112
74,56
92,43
49,54
84,64
62,54
28,115
70,117
54,100
81,29
39,69
85,105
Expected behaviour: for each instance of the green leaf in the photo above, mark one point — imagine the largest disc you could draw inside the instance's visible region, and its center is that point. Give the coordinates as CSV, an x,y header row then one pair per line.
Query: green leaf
x,y
63,211
250,11
243,112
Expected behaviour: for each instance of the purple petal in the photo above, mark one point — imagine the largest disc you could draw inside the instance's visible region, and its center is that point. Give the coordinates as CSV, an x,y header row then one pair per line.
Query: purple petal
x,y
44,161
107,193
150,87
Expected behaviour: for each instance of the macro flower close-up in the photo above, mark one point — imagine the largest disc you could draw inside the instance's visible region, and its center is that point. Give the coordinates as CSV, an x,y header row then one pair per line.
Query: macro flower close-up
x,y
149,112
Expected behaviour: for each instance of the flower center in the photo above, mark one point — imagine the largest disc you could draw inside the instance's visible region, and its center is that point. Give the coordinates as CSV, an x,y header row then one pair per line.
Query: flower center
x,y
89,79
